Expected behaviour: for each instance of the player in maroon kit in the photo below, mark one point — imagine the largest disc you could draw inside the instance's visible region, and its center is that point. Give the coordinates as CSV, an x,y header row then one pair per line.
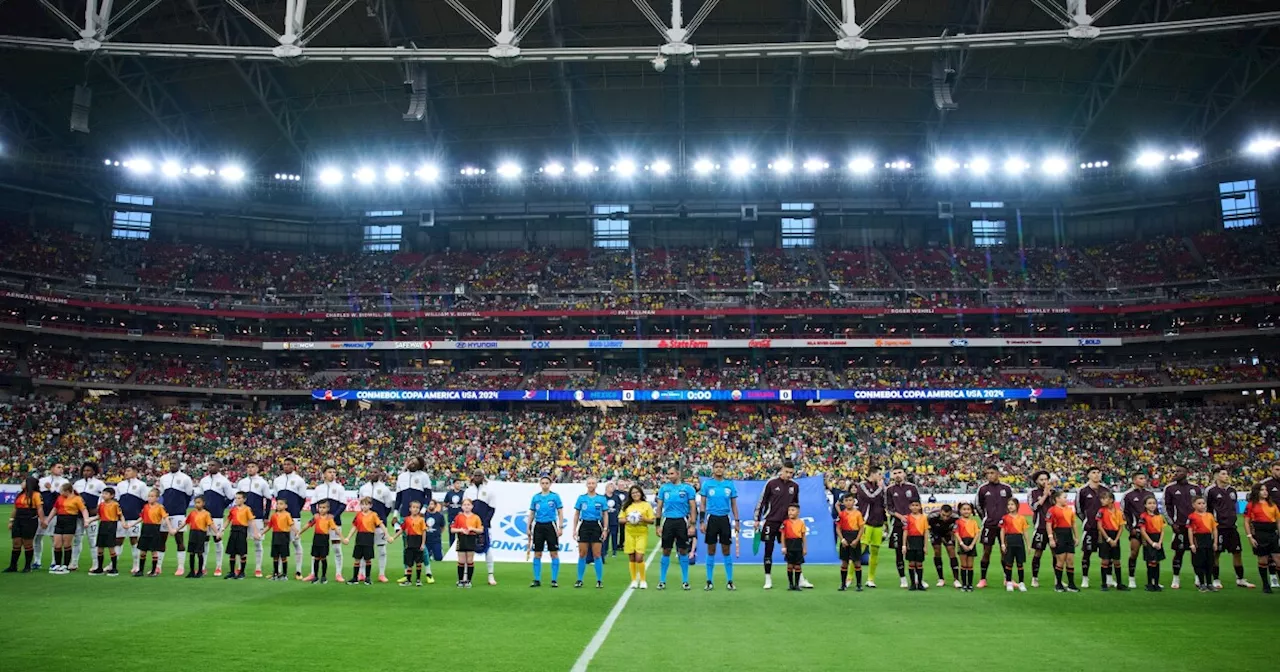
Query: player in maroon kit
x,y
869,496
1272,485
993,499
1133,508
778,494
898,498
1178,497
1088,501
1223,500
1039,499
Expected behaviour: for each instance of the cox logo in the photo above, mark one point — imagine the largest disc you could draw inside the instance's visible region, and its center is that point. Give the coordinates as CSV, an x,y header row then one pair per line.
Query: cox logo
x,y
1089,341
514,526
540,345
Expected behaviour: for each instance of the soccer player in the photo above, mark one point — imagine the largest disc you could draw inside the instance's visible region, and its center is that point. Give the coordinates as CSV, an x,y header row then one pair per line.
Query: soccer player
x,y
899,496
720,502
915,527
678,511
132,495
238,520
1133,508
482,505
68,514
364,528
1202,530
323,523
155,523
198,521
1088,502
290,487
330,490
436,526
89,487
257,496
176,489
1152,528
453,502
1222,501
850,526
24,523
613,537
869,498
50,488
1040,499
414,528
1063,539
967,533
412,485
778,494
281,525
218,493
639,515
590,519
1272,484
466,528
107,519
1178,496
942,525
993,498
1013,546
546,519
795,545
384,502
1110,527
1260,519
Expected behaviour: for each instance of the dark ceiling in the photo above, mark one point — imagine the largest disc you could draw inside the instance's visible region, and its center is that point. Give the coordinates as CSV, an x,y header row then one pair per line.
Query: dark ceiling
x,y
1018,96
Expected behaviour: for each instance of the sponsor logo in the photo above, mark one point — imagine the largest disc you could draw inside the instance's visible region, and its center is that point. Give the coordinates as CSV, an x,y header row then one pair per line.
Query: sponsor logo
x,y
514,526
826,344
683,344
540,345
475,345
1023,341
351,345
959,342
300,346
605,344
760,343
892,342
1088,341
413,345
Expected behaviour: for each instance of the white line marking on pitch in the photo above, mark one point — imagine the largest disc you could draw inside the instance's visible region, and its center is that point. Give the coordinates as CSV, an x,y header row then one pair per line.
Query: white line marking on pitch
x,y
603,633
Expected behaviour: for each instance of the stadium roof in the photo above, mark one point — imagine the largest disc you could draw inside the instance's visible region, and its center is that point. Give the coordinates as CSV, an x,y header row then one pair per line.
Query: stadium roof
x,y
1214,77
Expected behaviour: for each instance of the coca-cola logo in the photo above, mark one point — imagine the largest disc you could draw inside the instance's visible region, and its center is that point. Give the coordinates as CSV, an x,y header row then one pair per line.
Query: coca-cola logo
x,y
760,343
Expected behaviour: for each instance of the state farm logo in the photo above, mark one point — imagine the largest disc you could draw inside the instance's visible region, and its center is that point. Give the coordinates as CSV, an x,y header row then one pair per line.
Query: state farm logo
x,y
673,343
760,343
892,342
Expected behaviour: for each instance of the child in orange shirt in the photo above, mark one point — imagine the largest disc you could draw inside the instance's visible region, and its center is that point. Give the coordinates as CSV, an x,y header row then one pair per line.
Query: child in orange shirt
x,y
1261,516
1152,525
281,525
917,526
1063,539
414,529
1110,528
851,524
466,527
366,524
795,543
155,520
199,521
966,532
1013,546
238,518
1202,527
68,510
109,519
320,543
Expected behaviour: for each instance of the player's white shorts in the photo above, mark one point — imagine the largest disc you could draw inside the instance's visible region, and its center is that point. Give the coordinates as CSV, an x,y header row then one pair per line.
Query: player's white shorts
x,y
129,529
380,536
215,528
91,532
175,522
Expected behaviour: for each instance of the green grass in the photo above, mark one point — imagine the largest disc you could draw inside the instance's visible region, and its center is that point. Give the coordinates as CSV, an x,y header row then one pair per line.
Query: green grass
x,y
178,624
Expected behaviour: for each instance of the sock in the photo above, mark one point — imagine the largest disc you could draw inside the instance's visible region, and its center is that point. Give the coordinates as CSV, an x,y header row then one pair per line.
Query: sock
x,y
582,567
728,568
1008,573
337,560
599,564
872,563
100,566
76,546
1262,572
1035,568
488,561
191,563
955,569
462,572
555,569
1021,574
900,562
844,577
113,561
641,570
418,570
382,560
857,576
1071,578
768,566
217,553
324,568
39,550
986,564
631,569
1177,563
315,567
1085,562
355,571
937,564
1156,569
182,559
791,578
665,565
1133,565
537,569
1057,573
1217,572
711,566
297,554
471,571
29,554
684,569
159,560
257,555
1239,572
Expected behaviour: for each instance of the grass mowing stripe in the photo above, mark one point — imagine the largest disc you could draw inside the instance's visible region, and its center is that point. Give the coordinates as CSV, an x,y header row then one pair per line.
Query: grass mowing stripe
x,y
603,633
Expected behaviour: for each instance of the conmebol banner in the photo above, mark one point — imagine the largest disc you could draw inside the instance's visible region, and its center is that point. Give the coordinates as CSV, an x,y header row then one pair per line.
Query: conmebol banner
x,y
663,396
700,344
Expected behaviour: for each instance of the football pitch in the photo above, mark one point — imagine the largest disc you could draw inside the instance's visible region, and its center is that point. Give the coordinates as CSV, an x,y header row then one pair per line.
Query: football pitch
x,y
171,623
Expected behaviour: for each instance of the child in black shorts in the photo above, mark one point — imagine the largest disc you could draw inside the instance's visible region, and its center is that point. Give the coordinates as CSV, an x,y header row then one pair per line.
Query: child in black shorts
x,y
795,542
323,522
1152,527
366,523
966,530
917,526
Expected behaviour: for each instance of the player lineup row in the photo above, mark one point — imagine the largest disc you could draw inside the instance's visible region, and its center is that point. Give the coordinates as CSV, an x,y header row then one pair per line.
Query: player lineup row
x,y
1187,516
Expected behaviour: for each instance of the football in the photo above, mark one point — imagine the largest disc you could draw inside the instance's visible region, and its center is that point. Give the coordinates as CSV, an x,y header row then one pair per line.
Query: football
x,y
634,517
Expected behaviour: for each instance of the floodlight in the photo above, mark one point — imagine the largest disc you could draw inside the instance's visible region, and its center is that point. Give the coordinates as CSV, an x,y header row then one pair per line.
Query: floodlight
x,y
330,177
427,172
170,169
661,167
1015,166
740,165
1262,146
898,165
625,168
509,169
1054,166
231,173
703,166
139,166
1150,159
200,171
979,165
945,165
1186,156
861,165
816,165
554,169
471,171
106,162
782,165
583,168
394,174
365,175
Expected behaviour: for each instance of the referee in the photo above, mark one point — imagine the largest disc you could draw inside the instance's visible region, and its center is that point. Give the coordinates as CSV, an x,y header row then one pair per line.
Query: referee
x,y
678,511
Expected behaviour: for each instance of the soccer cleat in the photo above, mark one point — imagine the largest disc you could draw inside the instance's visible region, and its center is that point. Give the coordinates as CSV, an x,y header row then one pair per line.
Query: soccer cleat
x,y
297,576
843,587
709,586
599,584
644,585
1104,587
662,586
577,584
858,589
982,583
1133,583
257,573
417,584
308,577
36,565
492,581
93,572
911,588
684,586
1241,583
1060,589
53,569
902,583
1275,581
367,582
1022,587
324,580
635,583
217,572
955,583
14,570
535,584
730,586
226,578
180,572
1122,588
871,584
1177,584
137,573
554,584
432,579
1072,589
112,572
1035,583
1084,582
768,582
74,568
402,580
941,583
382,579
804,583
360,577
339,579
405,584
1008,587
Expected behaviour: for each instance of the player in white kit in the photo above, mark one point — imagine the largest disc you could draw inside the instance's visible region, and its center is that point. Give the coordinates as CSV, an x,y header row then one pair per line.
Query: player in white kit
x,y
331,491
257,496
176,490
384,502
132,494
291,487
218,494
90,488
50,487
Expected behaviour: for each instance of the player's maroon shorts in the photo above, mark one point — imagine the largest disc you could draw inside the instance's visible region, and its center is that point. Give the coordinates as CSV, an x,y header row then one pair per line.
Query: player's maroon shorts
x,y
990,536
1181,542
1229,540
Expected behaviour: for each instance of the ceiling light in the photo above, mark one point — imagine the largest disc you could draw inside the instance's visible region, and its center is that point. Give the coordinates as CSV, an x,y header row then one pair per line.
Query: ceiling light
x,y
861,165
1015,166
782,165
365,175
625,168
554,169
661,167
509,170
703,166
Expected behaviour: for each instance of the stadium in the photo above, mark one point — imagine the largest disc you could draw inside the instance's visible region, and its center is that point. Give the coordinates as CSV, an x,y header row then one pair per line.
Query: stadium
x,y
386,256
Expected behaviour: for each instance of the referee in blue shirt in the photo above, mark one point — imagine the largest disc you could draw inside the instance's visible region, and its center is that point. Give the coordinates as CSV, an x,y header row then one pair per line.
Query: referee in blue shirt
x,y
720,501
678,511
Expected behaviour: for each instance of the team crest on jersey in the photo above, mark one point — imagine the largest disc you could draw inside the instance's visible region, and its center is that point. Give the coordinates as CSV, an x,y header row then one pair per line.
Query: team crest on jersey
x,y
909,493
1004,493
791,490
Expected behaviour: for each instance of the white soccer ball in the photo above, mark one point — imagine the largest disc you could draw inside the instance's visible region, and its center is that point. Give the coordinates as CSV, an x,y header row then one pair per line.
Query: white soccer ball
x,y
634,517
